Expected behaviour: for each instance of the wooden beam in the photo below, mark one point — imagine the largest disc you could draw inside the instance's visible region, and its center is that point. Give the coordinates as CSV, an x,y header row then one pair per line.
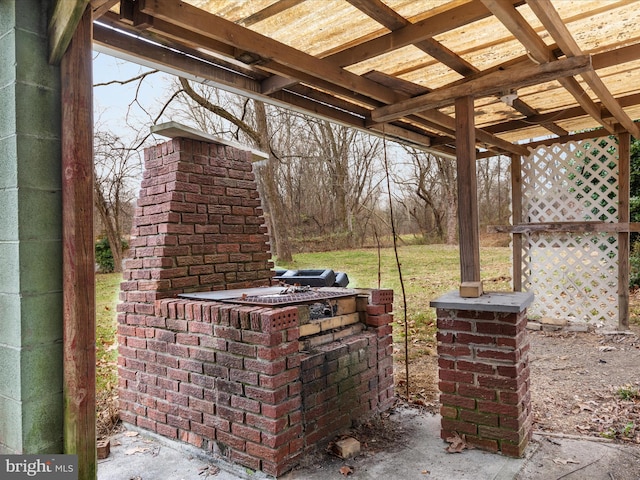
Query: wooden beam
x,y
551,20
516,213
469,237
567,227
78,265
267,12
541,53
217,28
100,7
412,33
63,23
624,215
488,85
324,75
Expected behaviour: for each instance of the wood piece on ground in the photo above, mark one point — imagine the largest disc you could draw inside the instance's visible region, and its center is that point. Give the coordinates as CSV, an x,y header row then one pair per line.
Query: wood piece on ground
x,y
347,447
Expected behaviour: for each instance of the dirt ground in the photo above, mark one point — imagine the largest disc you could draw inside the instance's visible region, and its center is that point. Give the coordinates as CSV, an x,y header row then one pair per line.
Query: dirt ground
x,y
582,384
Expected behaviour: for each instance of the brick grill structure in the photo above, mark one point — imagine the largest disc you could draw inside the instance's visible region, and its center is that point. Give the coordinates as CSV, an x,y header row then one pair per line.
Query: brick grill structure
x,y
484,371
234,380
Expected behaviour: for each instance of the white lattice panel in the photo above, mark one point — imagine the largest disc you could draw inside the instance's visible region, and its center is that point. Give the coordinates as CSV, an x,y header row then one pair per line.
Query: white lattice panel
x,y
573,276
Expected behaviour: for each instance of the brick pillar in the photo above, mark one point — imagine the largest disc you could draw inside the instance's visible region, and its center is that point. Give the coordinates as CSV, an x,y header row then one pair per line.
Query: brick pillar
x,y
484,371
198,225
379,318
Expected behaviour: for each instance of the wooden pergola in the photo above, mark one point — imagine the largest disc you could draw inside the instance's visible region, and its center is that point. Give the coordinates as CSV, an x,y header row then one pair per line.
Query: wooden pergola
x,y
468,78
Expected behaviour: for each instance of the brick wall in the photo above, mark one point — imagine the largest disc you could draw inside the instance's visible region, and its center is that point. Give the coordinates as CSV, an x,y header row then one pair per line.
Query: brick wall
x,y
234,380
484,379
198,224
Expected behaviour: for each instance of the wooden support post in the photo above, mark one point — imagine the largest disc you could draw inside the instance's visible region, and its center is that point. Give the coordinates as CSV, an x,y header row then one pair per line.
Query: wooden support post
x,y
624,156
78,251
467,191
516,214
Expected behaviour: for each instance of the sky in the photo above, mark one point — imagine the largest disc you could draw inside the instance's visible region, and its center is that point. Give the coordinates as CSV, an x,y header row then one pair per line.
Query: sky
x,y
113,102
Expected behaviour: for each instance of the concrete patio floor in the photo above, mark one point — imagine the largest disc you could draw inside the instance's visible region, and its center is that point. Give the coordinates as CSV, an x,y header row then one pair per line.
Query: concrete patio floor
x,y
416,452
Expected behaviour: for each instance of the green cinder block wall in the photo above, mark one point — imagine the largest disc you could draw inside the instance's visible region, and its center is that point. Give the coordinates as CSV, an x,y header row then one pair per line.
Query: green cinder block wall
x,y
31,410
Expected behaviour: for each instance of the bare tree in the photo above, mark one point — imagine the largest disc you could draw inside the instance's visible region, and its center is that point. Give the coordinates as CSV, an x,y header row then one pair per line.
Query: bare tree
x,y
117,167
433,182
257,131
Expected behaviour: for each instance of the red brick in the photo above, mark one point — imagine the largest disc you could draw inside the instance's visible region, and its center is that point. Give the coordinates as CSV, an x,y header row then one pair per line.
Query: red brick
x,y
379,320
455,376
230,440
454,324
458,426
454,350
485,444
456,401
244,459
449,412
476,392
381,297
499,408
471,416
245,432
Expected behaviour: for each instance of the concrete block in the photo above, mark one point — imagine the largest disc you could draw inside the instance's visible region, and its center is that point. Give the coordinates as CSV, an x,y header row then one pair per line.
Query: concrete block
x,y
29,46
9,166
8,110
41,269
10,426
7,56
39,165
41,319
10,373
11,330
35,107
41,371
9,215
42,422
10,271
40,213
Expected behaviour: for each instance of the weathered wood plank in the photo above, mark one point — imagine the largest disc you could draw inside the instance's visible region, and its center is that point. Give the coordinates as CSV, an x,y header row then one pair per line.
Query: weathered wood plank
x,y
568,227
624,215
469,235
516,212
326,324
78,250
65,18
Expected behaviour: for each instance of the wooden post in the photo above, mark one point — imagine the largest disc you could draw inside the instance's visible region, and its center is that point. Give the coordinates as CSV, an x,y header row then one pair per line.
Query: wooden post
x,y
624,158
467,191
78,251
516,214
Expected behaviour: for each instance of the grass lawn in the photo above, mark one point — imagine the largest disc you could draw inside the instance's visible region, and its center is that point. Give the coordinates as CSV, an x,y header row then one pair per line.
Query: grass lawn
x,y
428,271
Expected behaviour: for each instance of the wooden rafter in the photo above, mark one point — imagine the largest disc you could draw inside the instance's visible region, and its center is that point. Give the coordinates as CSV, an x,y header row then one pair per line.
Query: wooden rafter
x,y
483,86
549,17
64,20
541,53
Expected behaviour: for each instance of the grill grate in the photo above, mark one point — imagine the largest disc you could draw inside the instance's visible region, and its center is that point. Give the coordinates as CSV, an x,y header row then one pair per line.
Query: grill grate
x,y
290,298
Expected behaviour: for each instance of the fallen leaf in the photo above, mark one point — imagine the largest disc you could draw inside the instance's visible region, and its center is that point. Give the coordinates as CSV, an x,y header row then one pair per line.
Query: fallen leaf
x,y
131,433
346,470
457,443
425,472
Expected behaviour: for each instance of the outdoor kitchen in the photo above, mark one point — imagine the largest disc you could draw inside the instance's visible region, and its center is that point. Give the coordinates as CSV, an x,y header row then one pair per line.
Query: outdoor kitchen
x,y
216,348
